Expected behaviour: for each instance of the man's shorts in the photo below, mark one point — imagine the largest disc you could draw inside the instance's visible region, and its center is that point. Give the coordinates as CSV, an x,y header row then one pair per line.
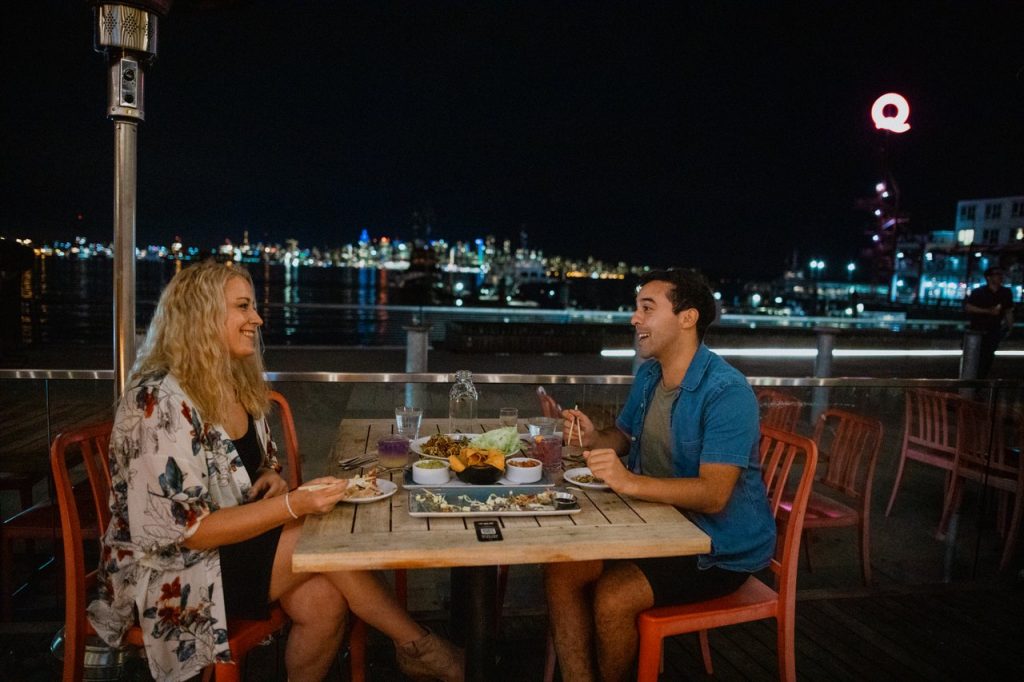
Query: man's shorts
x,y
678,580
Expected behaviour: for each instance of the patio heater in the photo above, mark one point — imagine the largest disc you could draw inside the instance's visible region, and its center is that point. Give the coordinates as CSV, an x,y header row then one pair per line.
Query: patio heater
x,y
126,32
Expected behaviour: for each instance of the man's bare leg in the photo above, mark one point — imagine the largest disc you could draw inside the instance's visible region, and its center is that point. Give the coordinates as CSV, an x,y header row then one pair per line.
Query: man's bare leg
x,y
620,594
569,588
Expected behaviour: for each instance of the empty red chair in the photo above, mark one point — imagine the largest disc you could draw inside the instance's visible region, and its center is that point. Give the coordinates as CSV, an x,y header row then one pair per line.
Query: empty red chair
x,y
849,443
779,410
988,453
929,435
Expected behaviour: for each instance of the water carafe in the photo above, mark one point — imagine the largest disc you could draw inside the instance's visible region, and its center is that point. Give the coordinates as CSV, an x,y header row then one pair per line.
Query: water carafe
x,y
462,404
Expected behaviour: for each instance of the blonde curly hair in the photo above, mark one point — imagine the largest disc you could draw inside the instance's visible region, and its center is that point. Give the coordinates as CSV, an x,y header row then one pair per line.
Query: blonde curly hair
x,y
186,338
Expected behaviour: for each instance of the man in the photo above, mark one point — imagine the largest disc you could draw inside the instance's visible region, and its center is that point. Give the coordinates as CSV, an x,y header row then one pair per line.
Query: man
x,y
690,430
990,310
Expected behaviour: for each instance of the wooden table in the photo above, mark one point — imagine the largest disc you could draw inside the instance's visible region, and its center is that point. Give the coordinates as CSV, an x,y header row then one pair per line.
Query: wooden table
x,y
382,535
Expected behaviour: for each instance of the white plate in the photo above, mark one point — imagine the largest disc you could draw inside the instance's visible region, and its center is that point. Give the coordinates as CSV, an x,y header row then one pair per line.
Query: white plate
x,y
417,443
387,489
570,476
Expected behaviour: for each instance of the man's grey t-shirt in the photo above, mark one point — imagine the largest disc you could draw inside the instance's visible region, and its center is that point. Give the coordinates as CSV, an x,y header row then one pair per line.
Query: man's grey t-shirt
x,y
656,446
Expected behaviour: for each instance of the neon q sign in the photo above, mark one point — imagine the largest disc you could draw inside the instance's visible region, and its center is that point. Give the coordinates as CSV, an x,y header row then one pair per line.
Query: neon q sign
x,y
896,123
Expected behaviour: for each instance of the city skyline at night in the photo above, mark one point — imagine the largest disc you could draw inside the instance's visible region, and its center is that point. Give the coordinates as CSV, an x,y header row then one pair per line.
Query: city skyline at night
x,y
727,138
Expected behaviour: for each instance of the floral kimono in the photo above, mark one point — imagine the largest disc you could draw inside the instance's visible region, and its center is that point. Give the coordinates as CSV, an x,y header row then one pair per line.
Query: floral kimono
x,y
169,470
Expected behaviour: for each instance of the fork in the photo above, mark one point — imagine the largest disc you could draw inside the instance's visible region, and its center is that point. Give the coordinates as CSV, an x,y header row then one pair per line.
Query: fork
x,y
354,462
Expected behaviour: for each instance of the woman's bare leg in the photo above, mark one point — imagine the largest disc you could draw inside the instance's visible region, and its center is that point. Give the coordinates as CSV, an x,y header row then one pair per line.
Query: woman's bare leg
x,y
366,594
317,608
318,612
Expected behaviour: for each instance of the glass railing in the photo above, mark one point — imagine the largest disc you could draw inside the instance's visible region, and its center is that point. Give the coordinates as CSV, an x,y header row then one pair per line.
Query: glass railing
x,y
905,545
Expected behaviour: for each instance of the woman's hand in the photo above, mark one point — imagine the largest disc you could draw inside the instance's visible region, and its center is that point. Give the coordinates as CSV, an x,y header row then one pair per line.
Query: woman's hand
x,y
318,496
269,484
605,464
575,421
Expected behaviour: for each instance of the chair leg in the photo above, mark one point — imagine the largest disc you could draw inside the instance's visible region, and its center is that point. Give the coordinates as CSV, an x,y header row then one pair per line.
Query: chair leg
x,y
787,650
949,507
705,652
1011,533
649,656
865,551
896,484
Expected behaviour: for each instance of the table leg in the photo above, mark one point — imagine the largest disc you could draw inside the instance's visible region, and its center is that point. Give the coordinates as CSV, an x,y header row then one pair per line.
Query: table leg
x,y
473,618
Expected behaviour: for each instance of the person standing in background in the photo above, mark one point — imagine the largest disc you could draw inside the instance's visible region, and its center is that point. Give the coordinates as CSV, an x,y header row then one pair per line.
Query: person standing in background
x,y
990,311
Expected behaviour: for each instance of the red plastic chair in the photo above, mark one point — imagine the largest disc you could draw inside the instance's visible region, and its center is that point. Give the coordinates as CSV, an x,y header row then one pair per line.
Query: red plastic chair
x,y
988,453
783,455
928,433
850,444
92,443
779,410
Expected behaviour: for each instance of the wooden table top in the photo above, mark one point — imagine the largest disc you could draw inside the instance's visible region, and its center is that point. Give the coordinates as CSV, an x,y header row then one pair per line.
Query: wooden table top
x,y
382,535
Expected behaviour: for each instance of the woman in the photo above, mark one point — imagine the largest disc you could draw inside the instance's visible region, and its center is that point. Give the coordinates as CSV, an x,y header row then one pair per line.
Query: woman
x,y
203,527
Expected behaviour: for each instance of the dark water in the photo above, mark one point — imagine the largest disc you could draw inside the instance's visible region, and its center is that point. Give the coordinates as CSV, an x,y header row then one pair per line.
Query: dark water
x,y
65,301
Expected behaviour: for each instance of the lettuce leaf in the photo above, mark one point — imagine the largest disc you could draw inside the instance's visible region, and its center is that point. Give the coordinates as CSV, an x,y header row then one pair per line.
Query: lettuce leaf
x,y
505,439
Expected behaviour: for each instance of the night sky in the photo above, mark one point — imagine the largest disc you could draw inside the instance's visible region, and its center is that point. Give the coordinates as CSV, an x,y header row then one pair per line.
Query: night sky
x,y
722,135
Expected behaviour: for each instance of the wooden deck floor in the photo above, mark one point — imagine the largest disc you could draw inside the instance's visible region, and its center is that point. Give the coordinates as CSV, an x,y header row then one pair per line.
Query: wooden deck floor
x,y
961,633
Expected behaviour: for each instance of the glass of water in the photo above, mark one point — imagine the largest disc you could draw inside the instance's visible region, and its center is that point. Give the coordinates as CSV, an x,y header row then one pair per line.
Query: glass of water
x,y
407,421
508,416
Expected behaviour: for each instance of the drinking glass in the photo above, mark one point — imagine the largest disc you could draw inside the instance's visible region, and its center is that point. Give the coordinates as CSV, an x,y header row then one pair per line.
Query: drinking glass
x,y
393,451
508,416
548,449
542,426
407,421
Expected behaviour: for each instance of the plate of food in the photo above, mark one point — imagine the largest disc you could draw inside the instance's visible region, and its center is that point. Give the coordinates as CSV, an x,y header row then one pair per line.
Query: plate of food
x,y
363,489
439,446
488,501
584,478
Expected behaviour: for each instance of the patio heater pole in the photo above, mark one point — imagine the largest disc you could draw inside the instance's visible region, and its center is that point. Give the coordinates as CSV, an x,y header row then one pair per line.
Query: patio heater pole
x,y
126,32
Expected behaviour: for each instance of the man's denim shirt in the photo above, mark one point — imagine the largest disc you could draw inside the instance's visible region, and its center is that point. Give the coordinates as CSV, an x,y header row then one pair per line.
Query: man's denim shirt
x,y
714,419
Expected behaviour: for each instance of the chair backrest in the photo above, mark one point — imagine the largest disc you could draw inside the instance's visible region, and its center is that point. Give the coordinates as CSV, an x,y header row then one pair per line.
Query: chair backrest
x,y
291,440
851,443
92,444
786,456
779,410
929,421
989,442
548,406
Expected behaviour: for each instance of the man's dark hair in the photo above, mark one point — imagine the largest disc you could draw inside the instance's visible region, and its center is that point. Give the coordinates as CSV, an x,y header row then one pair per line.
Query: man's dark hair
x,y
690,289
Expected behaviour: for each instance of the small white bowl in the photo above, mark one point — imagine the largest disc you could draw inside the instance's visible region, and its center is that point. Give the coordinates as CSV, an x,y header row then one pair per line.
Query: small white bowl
x,y
517,473
427,472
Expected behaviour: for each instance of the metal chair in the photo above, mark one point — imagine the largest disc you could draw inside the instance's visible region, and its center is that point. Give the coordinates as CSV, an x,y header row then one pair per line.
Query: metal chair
x,y
783,455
